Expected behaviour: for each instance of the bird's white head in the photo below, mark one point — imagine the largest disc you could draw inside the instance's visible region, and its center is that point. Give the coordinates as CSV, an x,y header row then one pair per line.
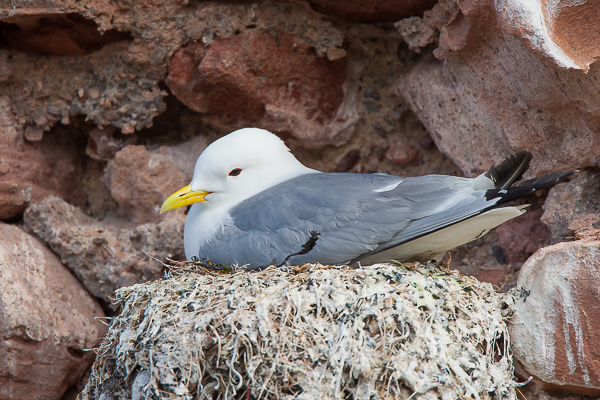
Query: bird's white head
x,y
235,168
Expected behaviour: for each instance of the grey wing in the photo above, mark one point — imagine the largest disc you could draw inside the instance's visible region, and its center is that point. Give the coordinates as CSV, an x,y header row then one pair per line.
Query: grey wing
x,y
272,226
353,215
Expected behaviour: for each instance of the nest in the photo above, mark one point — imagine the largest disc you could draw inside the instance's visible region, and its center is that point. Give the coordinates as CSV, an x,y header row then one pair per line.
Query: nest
x,y
315,332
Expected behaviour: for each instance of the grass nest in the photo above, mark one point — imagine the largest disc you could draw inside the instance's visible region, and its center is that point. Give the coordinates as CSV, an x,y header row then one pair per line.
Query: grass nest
x,y
312,332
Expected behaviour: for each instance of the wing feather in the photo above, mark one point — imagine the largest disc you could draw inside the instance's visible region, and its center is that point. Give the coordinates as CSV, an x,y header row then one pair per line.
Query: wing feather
x,y
352,218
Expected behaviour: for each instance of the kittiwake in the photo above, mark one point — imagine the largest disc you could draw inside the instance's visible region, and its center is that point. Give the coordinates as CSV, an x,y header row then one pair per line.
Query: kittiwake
x,y
254,204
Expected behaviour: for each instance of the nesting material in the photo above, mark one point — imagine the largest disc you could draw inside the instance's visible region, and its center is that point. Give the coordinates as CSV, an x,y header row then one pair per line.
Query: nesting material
x,y
378,332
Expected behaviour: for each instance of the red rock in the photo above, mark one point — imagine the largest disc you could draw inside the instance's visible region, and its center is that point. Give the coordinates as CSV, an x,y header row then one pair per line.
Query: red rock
x,y
534,391
426,142
30,171
58,34
33,134
47,320
272,80
496,277
416,33
184,155
496,93
372,10
126,75
348,161
104,143
140,182
572,208
419,33
555,329
46,89
523,236
564,33
586,227
401,153
109,254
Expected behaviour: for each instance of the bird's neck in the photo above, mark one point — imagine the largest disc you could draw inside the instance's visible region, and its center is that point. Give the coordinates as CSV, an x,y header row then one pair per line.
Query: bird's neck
x,y
201,226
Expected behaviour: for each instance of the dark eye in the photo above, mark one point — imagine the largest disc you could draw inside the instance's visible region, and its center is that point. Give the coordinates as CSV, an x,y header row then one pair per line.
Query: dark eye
x,y
235,172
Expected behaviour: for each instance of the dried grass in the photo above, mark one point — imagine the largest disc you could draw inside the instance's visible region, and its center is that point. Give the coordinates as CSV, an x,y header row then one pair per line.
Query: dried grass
x,y
315,332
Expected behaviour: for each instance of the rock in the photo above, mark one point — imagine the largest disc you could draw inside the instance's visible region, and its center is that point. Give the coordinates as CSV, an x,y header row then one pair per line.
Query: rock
x,y
492,95
333,53
109,254
72,35
371,106
533,391
586,227
372,93
496,277
47,320
372,10
59,88
99,202
573,208
110,67
563,33
30,171
499,254
94,93
140,182
268,79
118,85
380,131
105,142
33,134
426,142
349,161
401,153
519,238
555,329
483,259
184,155
419,33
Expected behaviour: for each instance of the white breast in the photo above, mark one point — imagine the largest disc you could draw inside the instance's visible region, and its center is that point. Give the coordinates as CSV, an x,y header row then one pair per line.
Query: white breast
x,y
201,225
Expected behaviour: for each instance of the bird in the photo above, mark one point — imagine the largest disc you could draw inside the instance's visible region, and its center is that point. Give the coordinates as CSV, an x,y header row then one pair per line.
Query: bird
x,y
254,204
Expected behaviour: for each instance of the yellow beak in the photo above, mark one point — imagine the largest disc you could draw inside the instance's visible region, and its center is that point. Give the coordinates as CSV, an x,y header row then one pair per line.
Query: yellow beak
x,y
183,197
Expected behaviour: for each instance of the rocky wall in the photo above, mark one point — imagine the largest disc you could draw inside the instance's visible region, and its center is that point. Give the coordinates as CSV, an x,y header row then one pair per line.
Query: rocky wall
x,y
105,105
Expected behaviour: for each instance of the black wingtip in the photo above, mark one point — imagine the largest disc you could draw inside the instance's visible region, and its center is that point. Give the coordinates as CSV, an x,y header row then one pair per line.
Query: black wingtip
x,y
526,187
509,170
546,180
